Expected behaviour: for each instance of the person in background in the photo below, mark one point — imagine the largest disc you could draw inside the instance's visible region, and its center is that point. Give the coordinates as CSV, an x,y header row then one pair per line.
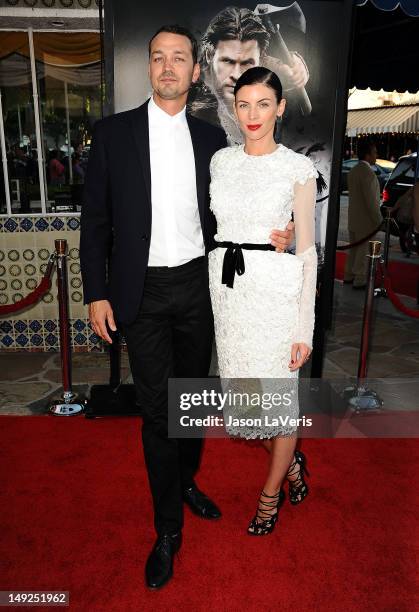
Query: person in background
x,y
363,212
56,169
78,170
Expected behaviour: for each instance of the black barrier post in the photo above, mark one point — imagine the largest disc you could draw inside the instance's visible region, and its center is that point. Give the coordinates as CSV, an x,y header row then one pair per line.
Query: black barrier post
x,y
67,407
361,399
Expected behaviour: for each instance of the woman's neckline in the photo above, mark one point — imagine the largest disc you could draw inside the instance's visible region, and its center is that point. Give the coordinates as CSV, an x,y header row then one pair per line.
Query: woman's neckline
x,y
263,155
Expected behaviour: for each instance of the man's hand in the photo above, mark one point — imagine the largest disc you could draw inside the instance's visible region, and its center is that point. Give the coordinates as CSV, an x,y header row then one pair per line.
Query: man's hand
x,y
295,76
101,312
292,77
300,353
281,239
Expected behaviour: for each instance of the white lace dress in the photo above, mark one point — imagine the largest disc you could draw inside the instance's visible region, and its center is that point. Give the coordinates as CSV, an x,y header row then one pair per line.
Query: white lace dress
x,y
271,305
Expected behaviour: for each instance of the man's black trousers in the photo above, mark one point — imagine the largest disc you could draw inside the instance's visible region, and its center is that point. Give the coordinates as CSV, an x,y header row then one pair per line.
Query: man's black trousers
x,y
171,337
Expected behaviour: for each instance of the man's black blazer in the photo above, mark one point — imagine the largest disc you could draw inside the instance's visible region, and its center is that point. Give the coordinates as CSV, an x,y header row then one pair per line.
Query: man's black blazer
x,y
116,212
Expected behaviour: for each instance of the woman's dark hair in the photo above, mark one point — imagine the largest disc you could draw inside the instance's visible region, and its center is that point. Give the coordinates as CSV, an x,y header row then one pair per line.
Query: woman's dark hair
x,y
259,74
177,29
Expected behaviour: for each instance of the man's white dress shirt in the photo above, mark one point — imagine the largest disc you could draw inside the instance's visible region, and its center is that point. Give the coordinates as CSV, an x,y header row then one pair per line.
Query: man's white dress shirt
x,y
176,234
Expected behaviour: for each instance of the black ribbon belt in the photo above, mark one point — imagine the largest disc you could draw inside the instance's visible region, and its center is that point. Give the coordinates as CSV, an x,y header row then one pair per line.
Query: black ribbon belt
x,y
234,261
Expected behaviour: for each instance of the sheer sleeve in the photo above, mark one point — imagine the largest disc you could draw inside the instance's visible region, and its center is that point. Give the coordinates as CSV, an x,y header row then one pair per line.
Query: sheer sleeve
x,y
304,219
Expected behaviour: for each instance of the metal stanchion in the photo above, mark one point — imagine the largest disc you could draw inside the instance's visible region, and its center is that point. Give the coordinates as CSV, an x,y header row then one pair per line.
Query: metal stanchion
x,y
380,291
67,407
360,398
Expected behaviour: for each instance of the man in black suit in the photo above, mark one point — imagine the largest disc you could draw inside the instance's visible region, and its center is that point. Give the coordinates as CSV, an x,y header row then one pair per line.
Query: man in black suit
x,y
153,161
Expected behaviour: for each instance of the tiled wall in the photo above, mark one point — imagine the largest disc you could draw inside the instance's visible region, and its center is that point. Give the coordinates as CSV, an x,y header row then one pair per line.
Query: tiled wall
x,y
25,246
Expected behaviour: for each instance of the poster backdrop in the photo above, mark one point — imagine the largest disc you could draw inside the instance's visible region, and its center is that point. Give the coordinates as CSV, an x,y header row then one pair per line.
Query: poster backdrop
x,y
307,32
311,34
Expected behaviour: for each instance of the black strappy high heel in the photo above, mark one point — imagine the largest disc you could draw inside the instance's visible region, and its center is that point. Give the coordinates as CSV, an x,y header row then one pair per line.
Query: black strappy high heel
x,y
264,522
297,488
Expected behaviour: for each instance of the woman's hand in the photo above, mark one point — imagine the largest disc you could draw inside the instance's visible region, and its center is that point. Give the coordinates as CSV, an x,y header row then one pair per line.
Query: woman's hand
x,y
300,353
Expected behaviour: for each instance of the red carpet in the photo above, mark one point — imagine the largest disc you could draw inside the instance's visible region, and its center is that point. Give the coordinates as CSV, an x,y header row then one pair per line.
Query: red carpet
x,y
76,515
404,276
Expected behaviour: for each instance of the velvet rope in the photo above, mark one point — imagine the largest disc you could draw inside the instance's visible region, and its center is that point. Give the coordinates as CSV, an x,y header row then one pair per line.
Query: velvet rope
x,y
394,298
35,295
358,242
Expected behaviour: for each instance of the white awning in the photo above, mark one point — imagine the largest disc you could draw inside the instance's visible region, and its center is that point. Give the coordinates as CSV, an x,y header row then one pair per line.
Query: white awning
x,y
400,119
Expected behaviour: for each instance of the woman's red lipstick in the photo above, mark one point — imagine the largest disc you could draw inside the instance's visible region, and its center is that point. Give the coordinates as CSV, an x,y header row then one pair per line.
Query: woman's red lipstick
x,y
254,127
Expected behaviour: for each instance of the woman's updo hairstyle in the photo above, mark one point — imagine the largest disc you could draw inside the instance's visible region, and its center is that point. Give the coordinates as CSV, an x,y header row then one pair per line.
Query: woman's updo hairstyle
x,y
259,74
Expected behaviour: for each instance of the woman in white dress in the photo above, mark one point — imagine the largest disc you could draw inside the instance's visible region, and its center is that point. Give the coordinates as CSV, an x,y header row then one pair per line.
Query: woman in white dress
x,y
263,301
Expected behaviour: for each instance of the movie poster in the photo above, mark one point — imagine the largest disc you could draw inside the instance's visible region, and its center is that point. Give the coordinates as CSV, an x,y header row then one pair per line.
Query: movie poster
x,y
298,40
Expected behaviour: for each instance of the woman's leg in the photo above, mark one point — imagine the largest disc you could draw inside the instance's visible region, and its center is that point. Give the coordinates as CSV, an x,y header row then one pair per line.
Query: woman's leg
x,y
281,451
282,454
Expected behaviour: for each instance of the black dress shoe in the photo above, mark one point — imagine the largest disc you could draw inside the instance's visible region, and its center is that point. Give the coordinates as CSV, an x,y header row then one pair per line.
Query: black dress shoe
x,y
159,566
200,504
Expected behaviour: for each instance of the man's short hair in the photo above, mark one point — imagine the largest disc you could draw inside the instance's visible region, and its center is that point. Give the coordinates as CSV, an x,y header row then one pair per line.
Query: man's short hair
x,y
365,147
177,29
233,23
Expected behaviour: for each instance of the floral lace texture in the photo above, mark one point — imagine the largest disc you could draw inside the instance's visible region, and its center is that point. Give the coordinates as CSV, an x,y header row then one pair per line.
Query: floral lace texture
x,y
272,304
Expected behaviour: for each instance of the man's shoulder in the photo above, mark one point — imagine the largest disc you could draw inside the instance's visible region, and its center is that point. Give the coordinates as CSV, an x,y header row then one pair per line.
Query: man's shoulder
x,y
206,126
117,119
361,168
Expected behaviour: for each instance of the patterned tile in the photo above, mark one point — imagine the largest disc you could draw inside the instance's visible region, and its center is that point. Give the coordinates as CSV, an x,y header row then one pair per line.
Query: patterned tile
x,y
35,326
57,224
43,254
80,338
41,225
74,253
28,254
76,296
11,225
26,224
30,269
16,284
31,284
15,270
50,325
7,340
20,326
6,326
51,340
36,340
13,255
73,223
79,325
22,339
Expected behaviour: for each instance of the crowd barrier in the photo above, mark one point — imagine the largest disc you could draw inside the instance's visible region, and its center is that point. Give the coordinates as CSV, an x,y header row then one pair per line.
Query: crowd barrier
x,y
68,405
120,399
